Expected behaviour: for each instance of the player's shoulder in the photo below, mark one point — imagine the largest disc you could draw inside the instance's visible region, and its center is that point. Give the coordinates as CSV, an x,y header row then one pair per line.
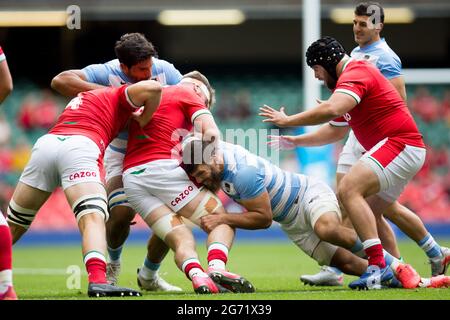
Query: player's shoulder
x,y
161,63
386,53
355,66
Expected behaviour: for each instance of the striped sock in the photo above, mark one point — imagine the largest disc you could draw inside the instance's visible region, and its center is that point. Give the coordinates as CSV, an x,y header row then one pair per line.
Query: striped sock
x,y
191,268
149,269
374,252
217,255
95,263
430,246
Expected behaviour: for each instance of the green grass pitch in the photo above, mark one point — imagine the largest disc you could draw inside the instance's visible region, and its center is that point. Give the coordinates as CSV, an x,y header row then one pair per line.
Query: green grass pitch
x,y
273,267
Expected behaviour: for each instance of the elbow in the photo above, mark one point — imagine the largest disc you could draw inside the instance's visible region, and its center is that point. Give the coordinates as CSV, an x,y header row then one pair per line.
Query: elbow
x,y
8,88
56,83
267,222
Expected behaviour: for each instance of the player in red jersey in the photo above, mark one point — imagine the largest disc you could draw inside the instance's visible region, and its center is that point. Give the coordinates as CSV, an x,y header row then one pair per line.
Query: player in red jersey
x,y
160,190
6,284
383,125
71,155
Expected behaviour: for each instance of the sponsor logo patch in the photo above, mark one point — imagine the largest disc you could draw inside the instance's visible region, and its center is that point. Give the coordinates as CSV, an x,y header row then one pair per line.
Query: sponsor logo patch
x,y
182,196
82,174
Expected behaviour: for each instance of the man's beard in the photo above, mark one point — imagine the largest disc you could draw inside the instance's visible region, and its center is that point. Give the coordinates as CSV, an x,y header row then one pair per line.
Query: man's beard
x,y
331,83
213,183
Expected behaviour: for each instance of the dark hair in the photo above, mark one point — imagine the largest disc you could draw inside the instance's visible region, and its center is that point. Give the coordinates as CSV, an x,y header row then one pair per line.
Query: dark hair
x,y
200,77
133,48
363,9
326,52
196,152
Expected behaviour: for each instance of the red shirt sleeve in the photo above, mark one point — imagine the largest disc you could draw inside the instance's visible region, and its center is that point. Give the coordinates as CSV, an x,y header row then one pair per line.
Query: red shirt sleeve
x,y
355,81
124,99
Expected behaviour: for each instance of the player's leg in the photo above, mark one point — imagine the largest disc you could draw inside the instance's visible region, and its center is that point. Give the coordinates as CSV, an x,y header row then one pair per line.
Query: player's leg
x,y
414,228
117,230
387,167
6,277
89,205
219,241
81,179
385,232
169,227
120,213
23,206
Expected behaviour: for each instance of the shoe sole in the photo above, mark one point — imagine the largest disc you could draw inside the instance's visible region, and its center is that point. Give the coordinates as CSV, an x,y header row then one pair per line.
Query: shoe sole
x,y
202,290
100,294
240,285
311,283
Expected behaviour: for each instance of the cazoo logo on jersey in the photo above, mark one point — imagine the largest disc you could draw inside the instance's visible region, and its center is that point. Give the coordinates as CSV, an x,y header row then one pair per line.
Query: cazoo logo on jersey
x,y
182,196
82,174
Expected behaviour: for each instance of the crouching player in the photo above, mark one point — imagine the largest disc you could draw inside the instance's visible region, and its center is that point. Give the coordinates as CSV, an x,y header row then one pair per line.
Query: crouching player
x,y
161,191
70,155
306,208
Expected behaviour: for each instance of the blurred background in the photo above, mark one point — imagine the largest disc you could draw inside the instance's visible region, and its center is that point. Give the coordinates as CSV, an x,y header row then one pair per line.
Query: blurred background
x,y
254,55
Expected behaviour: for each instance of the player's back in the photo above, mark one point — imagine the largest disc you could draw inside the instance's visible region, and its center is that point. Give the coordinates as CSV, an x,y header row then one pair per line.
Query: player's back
x,y
161,137
381,112
246,175
98,114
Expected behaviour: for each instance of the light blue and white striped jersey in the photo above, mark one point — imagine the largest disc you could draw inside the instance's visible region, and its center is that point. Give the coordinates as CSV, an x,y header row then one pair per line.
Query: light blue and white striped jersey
x,y
110,74
247,176
381,55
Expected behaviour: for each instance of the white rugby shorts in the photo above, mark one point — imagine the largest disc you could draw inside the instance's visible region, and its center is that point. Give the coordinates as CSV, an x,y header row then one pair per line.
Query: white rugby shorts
x,y
318,200
58,160
156,183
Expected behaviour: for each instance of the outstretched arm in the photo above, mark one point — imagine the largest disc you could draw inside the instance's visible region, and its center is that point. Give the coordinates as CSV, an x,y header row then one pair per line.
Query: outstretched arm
x,y
326,134
338,104
71,82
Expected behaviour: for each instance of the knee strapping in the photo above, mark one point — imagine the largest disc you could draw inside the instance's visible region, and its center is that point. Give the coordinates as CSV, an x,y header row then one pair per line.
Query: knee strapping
x,y
93,203
209,204
117,198
166,224
20,216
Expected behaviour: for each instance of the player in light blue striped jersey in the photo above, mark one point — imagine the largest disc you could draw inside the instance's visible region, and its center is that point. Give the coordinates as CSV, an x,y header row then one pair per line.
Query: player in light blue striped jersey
x,y
305,207
136,61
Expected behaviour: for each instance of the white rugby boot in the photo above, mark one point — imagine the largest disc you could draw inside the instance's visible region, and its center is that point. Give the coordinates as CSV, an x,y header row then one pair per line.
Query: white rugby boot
x,y
326,277
155,284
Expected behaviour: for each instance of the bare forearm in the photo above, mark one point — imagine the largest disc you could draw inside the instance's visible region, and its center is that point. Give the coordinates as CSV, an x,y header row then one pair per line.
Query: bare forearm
x,y
70,84
326,134
318,115
247,220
